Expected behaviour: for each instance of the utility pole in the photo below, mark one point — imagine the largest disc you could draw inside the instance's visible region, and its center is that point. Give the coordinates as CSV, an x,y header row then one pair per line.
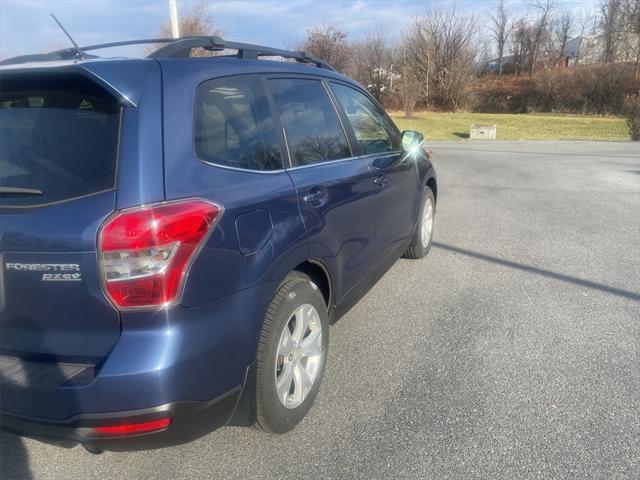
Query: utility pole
x,y
175,30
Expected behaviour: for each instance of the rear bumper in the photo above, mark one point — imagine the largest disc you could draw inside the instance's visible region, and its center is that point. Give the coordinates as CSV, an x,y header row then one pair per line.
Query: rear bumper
x,y
189,420
186,363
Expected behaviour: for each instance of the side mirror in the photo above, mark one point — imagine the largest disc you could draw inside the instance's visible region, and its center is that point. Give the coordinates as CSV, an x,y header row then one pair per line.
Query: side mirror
x,y
411,141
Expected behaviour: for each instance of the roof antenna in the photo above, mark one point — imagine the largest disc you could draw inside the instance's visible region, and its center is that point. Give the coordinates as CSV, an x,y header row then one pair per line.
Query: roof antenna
x,y
81,54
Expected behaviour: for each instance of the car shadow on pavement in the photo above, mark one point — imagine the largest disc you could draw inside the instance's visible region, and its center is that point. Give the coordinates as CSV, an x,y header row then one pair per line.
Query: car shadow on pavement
x,y
540,271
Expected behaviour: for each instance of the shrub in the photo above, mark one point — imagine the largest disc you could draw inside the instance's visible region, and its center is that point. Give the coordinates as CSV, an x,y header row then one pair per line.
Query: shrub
x,y
506,94
632,114
602,88
555,90
584,89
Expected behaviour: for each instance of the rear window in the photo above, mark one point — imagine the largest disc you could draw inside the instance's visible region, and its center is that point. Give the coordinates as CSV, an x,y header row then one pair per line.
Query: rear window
x,y
58,139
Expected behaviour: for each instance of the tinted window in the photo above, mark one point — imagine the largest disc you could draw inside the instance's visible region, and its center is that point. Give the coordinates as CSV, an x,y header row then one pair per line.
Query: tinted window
x,y
233,124
372,128
58,139
314,133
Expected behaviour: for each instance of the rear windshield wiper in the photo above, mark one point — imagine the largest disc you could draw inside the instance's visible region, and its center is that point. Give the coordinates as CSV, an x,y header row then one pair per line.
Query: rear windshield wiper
x,y
8,191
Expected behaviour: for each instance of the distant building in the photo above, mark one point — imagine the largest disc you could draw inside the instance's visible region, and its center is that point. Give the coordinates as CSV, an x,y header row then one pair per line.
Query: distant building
x,y
580,50
386,78
583,50
572,51
589,49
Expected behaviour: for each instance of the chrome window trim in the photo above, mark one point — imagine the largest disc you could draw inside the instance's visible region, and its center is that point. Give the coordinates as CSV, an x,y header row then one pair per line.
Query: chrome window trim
x,y
382,154
358,157
239,169
328,162
286,144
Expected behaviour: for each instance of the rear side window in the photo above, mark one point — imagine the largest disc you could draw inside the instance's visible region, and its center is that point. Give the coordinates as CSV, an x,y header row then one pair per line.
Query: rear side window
x,y
58,138
373,130
314,133
233,125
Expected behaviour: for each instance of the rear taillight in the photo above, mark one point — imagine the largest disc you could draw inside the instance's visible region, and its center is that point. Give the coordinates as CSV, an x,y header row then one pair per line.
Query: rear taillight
x,y
145,252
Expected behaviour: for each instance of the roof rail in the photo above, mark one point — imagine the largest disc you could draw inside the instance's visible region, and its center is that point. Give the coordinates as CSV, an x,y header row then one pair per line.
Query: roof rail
x,y
179,48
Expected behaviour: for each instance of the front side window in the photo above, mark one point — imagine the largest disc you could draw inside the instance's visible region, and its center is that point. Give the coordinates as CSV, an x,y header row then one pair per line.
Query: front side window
x,y
233,125
313,130
372,128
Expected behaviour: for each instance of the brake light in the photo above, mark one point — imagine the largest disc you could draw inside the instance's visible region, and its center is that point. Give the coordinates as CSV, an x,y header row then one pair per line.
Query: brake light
x,y
131,428
145,252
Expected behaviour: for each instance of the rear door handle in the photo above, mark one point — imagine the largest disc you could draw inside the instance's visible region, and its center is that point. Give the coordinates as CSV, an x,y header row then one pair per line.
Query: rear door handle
x,y
380,180
315,196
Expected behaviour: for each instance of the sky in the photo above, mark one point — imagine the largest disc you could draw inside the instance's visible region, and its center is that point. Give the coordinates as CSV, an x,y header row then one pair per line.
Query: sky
x,y
26,25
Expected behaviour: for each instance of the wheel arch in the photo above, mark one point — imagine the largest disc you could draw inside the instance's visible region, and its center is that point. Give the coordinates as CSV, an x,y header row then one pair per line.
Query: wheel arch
x,y
433,185
319,273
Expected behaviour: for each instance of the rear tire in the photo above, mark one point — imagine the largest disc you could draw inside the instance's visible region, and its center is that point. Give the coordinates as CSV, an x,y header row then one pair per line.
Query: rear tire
x,y
292,354
423,235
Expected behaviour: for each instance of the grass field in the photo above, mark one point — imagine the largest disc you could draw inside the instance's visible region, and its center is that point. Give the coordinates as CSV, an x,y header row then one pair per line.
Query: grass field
x,y
455,126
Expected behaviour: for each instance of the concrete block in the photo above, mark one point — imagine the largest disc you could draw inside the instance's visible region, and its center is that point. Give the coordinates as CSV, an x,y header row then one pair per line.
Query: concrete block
x,y
483,132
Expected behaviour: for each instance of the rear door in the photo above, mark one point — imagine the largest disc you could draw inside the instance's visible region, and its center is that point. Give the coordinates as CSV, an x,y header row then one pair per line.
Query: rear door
x,y
335,188
59,137
395,174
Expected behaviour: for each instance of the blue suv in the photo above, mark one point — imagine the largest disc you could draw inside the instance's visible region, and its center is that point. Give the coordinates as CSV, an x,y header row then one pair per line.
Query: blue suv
x,y
178,233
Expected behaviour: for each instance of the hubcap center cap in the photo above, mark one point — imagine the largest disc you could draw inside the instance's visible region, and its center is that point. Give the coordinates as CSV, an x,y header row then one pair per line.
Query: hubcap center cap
x,y
296,352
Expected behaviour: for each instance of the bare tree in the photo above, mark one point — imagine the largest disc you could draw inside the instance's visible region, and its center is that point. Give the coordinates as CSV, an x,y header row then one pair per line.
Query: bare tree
x,y
540,26
585,21
562,28
407,91
407,87
619,32
485,52
329,44
418,57
442,54
500,26
193,20
531,37
631,32
520,46
372,62
610,21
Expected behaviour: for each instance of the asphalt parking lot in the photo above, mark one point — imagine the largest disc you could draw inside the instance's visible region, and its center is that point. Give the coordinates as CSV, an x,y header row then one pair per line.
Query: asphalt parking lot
x,y
511,351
